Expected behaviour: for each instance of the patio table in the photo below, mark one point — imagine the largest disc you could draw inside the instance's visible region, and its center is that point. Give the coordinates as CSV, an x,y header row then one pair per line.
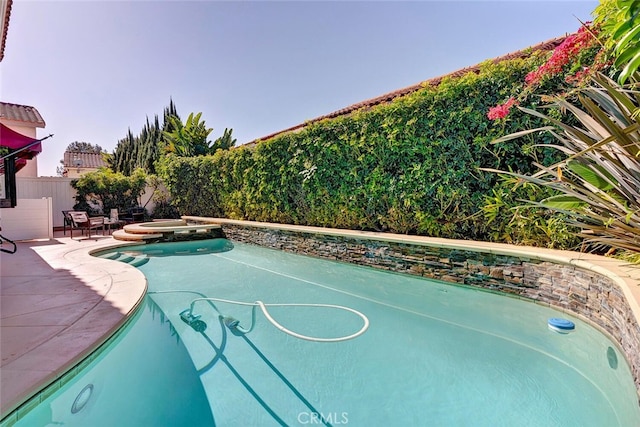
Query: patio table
x,y
108,222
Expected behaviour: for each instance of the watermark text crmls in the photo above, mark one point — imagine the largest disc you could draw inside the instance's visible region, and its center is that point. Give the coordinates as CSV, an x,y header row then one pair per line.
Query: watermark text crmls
x,y
320,418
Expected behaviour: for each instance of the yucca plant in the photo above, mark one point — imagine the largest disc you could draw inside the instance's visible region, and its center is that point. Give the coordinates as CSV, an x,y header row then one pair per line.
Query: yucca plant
x,y
598,182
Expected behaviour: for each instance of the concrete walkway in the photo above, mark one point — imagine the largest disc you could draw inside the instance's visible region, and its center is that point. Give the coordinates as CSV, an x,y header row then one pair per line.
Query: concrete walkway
x,y
57,304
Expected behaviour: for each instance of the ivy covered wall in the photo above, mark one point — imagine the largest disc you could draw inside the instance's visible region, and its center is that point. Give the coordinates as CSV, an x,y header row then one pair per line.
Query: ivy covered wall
x,y
409,166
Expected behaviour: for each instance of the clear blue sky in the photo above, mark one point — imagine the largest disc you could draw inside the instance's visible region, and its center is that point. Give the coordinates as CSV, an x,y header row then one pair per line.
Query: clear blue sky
x,y
95,69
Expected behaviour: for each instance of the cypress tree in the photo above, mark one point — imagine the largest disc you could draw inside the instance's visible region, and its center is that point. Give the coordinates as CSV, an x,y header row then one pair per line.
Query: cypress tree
x,y
143,150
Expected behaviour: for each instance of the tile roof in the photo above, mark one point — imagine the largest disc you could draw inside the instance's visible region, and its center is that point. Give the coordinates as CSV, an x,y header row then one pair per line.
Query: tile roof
x,y
5,13
524,53
76,159
21,113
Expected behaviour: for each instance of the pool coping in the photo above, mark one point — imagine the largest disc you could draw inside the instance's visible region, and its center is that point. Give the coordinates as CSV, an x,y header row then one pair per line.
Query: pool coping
x,y
558,278
626,275
76,307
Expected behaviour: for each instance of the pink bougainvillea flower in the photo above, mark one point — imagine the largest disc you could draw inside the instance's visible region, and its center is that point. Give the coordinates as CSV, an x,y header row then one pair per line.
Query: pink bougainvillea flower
x,y
501,111
579,77
532,77
567,51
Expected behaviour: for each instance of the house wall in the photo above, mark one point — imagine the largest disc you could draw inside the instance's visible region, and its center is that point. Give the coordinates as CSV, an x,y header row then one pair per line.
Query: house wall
x,y
74,172
31,168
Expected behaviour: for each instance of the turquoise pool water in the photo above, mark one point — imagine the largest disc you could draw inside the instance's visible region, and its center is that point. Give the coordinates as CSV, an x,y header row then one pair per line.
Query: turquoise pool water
x,y
433,355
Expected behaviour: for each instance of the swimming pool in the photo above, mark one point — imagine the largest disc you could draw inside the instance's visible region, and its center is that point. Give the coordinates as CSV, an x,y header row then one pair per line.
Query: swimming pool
x,y
434,354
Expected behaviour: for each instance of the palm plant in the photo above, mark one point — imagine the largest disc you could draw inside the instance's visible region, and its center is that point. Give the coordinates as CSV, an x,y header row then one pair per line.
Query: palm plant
x,y
598,182
188,139
225,142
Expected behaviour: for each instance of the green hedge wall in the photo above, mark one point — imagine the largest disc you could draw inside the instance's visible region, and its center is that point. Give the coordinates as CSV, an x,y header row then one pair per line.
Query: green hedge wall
x,y
409,166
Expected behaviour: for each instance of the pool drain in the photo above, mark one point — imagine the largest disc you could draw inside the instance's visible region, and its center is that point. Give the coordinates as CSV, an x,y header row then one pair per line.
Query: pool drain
x,y
612,358
82,399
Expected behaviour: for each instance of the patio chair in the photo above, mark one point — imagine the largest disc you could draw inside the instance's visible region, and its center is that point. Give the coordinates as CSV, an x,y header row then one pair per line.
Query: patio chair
x,y
113,220
82,221
4,240
133,215
67,221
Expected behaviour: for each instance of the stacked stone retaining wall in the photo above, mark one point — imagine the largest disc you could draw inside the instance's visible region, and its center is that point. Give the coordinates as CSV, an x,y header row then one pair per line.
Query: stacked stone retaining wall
x,y
585,293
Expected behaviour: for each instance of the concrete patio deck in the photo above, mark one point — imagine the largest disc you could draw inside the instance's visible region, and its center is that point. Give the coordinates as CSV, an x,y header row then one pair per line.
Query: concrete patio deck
x,y
57,305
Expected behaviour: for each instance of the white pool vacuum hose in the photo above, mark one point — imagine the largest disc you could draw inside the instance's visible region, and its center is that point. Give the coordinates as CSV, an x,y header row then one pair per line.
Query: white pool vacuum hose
x,y
193,320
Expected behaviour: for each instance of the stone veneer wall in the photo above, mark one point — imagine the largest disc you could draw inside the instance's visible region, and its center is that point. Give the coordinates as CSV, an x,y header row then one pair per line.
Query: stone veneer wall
x,y
585,293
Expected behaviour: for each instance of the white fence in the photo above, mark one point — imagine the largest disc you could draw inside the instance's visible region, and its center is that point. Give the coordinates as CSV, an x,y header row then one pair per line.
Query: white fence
x,y
58,188
30,210
63,195
30,219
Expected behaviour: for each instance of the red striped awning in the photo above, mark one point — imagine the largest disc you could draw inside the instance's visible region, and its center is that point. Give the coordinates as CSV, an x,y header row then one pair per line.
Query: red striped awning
x,y
21,144
16,141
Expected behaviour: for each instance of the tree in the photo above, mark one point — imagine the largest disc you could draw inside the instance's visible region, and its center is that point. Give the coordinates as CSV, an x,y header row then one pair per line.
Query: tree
x,y
142,151
188,139
103,190
84,147
225,142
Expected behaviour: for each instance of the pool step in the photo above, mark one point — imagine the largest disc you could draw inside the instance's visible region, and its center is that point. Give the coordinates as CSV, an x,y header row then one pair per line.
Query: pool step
x,y
125,258
139,260
167,230
113,255
134,260
132,237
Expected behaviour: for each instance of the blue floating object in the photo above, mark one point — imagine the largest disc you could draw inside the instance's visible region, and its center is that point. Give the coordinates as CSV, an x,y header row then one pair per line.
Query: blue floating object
x,y
563,326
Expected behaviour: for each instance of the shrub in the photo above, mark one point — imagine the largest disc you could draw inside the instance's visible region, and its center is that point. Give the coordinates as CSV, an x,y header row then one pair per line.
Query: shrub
x,y
409,166
598,180
103,190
